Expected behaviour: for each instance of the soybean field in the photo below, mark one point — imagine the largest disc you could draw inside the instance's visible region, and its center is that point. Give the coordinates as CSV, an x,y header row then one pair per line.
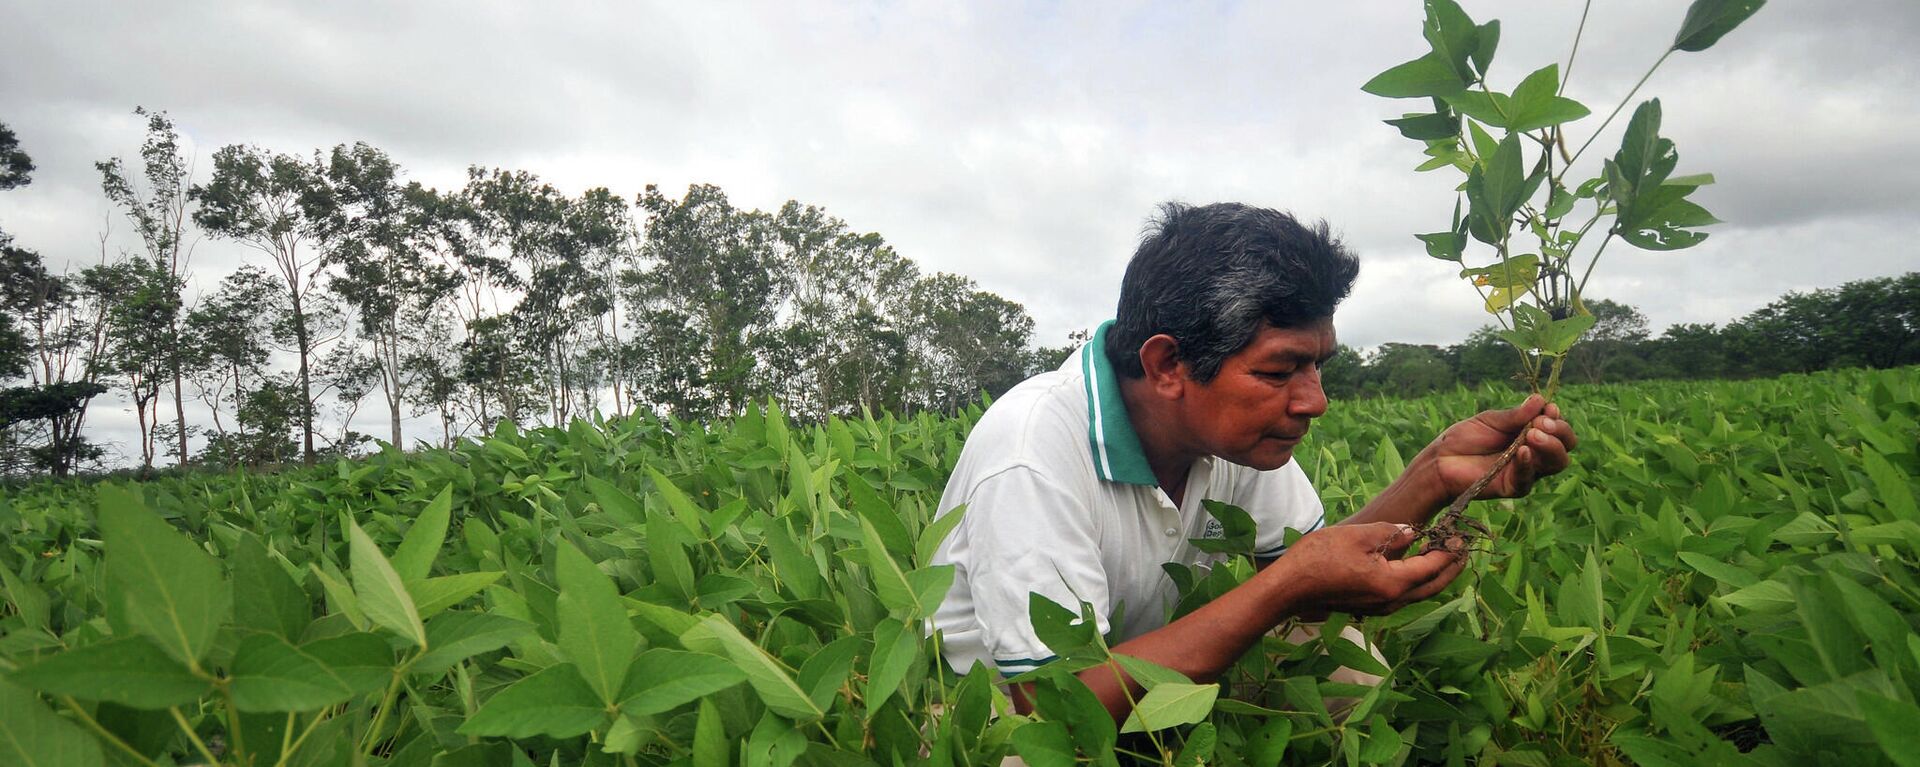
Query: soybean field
x,y
1727,575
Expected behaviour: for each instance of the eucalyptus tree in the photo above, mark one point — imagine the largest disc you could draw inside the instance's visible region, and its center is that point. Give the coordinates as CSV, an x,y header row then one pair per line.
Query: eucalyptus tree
x,y
377,234
234,331
709,274
157,206
842,338
36,313
141,302
560,250
274,204
964,341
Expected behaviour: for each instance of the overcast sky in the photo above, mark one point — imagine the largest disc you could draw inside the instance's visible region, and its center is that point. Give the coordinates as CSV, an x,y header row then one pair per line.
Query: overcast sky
x,y
1022,145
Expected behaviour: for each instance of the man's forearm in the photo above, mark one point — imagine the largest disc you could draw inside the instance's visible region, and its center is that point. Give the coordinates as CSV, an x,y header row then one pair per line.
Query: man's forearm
x,y
1201,644
1412,499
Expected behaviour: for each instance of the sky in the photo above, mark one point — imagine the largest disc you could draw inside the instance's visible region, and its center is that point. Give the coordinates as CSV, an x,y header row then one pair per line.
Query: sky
x,y
1023,145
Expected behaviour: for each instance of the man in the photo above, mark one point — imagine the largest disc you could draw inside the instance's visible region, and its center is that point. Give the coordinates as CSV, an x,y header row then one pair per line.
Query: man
x,y
1079,483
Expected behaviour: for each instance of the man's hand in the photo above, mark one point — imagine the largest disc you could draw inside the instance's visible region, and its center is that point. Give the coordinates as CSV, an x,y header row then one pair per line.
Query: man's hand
x,y
1356,568
1464,452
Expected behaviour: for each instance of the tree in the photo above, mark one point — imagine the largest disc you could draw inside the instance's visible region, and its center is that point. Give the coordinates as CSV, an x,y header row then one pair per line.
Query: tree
x,y
964,340
37,334
841,346
16,168
159,216
1410,370
1617,330
711,276
234,331
376,231
141,302
1485,357
274,203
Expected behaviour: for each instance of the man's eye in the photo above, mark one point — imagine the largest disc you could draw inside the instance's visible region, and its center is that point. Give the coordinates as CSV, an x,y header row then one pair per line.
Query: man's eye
x,y
1278,375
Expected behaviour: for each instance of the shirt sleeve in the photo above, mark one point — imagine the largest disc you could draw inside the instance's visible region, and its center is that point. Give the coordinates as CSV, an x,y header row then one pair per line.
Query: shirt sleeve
x,y
1028,536
1280,499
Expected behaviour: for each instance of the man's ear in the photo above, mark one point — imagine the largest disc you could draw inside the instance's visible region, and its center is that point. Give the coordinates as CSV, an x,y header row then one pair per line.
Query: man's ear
x,y
1166,373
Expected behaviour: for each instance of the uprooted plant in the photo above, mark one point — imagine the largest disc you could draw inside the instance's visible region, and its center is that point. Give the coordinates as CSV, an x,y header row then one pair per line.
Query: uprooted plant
x,y
1521,200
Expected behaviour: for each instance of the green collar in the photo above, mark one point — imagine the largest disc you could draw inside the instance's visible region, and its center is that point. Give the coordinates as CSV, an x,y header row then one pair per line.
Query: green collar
x,y
1117,456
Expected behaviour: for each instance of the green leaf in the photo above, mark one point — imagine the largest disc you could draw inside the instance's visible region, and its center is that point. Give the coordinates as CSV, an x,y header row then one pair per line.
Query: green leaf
x,y
684,509
1563,333
595,632
1170,705
896,647
889,581
27,599
1198,749
1044,744
1489,107
130,671
1762,597
1718,570
1429,75
1382,742
935,533
361,660
672,569
554,702
615,501
710,745
1446,246
768,678
1237,530
265,598
662,680
1537,103
1061,630
1709,20
1516,272
414,559
382,594
339,595
32,736
825,672
1353,656
1452,35
1427,126
454,637
270,675
168,587
1896,727
1148,673
433,595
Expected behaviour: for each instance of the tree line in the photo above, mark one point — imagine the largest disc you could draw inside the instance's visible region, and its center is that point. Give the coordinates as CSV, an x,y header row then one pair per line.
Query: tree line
x,y
1867,323
502,300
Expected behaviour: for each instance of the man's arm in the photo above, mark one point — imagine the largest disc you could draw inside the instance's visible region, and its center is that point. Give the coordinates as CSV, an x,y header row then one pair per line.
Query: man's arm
x,y
1342,568
1464,452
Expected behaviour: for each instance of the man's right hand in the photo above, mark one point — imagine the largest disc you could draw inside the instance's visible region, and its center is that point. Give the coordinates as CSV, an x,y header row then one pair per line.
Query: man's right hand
x,y
1358,569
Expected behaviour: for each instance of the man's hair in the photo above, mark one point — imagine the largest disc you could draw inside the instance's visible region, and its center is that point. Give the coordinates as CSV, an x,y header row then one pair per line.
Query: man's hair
x,y
1211,276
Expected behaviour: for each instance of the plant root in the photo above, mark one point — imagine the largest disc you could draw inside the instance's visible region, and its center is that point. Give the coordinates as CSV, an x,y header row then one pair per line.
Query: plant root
x,y
1453,530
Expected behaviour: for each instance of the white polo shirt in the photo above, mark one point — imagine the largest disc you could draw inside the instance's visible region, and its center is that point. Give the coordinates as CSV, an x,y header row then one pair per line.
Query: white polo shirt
x,y
1060,501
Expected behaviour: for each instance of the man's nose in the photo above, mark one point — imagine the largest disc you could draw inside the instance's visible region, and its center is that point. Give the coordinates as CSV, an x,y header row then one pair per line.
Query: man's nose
x,y
1309,398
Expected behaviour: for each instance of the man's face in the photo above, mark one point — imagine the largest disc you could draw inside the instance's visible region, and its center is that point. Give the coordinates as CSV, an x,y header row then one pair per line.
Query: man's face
x,y
1256,410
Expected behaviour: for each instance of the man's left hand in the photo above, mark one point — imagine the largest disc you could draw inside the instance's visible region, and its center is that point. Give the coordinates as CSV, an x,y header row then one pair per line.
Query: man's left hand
x,y
1464,452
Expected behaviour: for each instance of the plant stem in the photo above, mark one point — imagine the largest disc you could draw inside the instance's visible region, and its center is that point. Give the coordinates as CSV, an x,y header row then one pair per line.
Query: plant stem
x,y
194,737
1577,32
386,704
104,733
311,727
286,734
1619,106
1506,456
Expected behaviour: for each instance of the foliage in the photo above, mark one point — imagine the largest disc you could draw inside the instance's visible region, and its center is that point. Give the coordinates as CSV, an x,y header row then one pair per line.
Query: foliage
x,y
1697,589
1517,186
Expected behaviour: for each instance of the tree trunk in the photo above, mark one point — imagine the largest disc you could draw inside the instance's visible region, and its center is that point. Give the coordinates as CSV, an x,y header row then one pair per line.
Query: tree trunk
x,y
301,340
